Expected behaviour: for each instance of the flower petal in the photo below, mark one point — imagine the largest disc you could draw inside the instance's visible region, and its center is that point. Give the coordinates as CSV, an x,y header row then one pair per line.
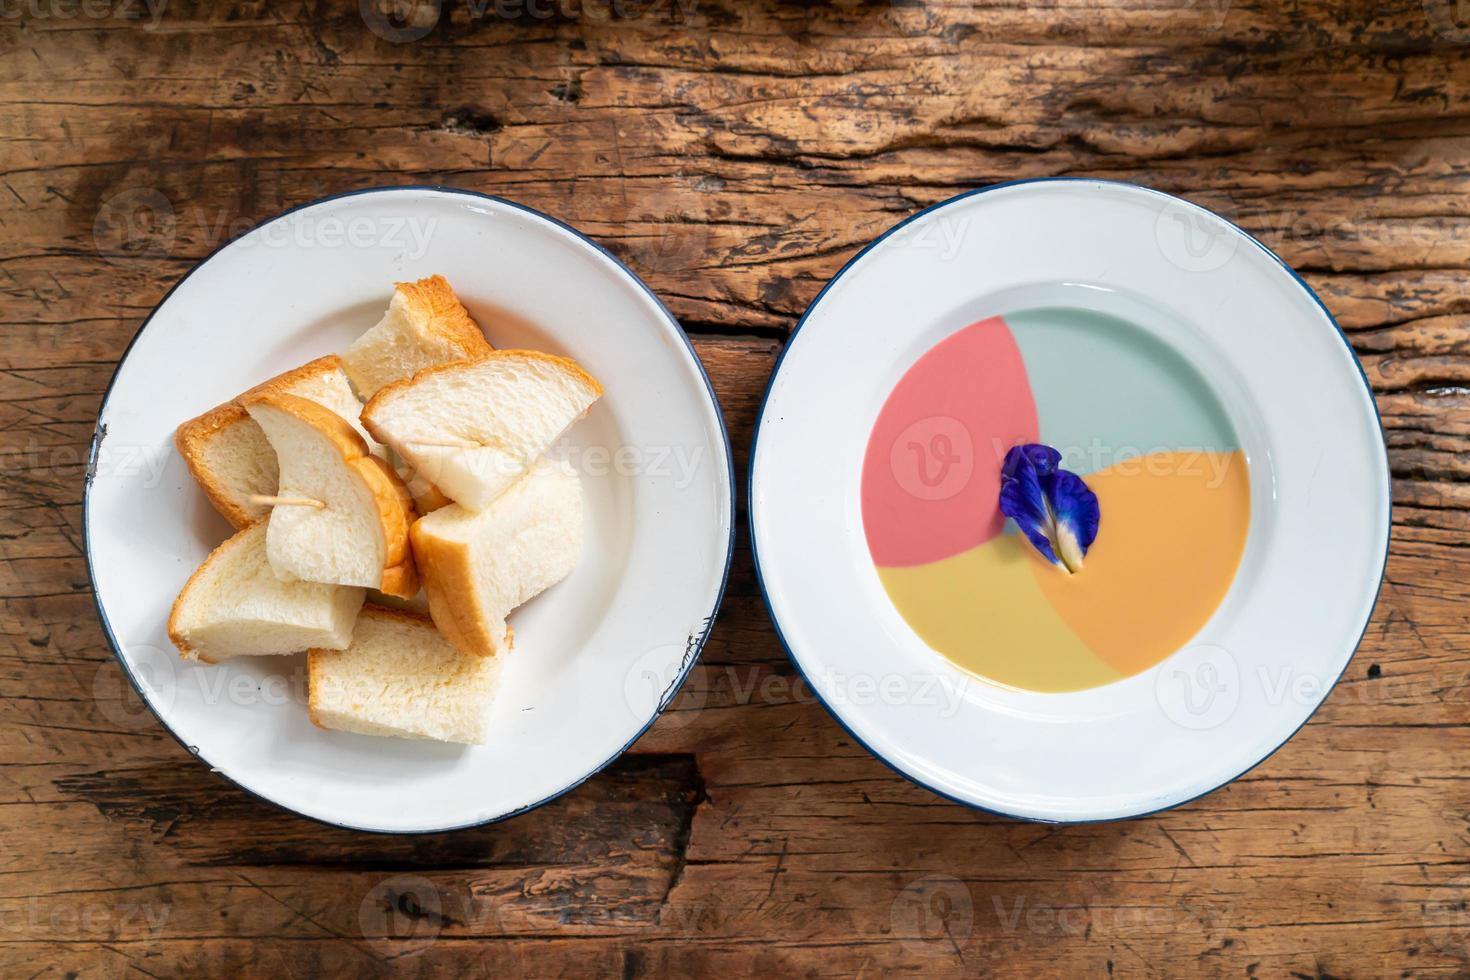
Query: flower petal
x,y
1074,507
1054,508
1043,459
1024,501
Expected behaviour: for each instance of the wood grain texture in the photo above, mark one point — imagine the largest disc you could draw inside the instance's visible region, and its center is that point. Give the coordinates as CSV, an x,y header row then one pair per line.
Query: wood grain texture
x,y
735,154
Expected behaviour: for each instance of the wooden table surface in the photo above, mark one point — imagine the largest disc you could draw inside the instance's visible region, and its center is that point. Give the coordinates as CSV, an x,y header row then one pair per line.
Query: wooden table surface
x,y
735,154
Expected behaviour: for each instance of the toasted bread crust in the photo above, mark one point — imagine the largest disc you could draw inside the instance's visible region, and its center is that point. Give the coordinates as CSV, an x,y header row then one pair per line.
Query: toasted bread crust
x,y
192,436
430,500
190,440
175,636
427,497
447,316
394,504
314,656
453,601
390,391
322,365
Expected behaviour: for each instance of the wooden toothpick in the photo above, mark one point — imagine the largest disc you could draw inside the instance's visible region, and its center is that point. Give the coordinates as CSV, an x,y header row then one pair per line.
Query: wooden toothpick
x,y
453,444
270,501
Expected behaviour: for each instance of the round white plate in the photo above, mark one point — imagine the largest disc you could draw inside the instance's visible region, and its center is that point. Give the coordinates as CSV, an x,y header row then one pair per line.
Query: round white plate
x,y
596,656
1297,399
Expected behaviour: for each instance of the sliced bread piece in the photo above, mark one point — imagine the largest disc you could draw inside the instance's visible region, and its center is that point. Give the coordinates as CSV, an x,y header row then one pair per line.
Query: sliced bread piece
x,y
231,458
478,566
425,325
473,427
399,678
234,605
353,527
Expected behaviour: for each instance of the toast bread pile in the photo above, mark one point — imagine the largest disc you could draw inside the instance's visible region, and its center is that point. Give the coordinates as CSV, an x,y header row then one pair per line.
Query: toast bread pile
x,y
436,494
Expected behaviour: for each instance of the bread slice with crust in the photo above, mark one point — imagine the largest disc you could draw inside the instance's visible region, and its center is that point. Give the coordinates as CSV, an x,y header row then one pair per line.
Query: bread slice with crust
x,y
229,455
360,534
425,325
474,427
479,565
399,678
234,605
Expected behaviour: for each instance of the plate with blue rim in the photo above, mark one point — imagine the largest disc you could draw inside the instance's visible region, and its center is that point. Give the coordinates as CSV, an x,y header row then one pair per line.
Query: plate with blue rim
x,y
597,657
1107,337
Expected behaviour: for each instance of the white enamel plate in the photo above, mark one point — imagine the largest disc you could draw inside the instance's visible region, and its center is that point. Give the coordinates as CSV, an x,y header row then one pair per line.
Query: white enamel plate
x,y
596,656
1197,384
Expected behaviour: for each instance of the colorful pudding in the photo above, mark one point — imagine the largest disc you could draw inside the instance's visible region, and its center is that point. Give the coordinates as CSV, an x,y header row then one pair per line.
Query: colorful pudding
x,y
1148,436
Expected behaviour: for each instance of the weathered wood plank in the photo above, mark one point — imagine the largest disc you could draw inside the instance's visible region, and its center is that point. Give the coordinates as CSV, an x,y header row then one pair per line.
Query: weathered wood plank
x,y
735,154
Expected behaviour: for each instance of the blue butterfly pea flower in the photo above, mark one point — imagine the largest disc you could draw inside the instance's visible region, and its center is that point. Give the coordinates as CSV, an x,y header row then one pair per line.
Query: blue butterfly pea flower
x,y
1052,506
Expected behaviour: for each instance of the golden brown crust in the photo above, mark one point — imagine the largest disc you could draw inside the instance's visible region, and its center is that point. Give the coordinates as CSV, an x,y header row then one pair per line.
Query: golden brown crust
x,y
190,439
394,504
453,603
313,666
284,380
374,611
446,314
427,498
389,391
430,500
192,436
401,580
342,435
175,636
